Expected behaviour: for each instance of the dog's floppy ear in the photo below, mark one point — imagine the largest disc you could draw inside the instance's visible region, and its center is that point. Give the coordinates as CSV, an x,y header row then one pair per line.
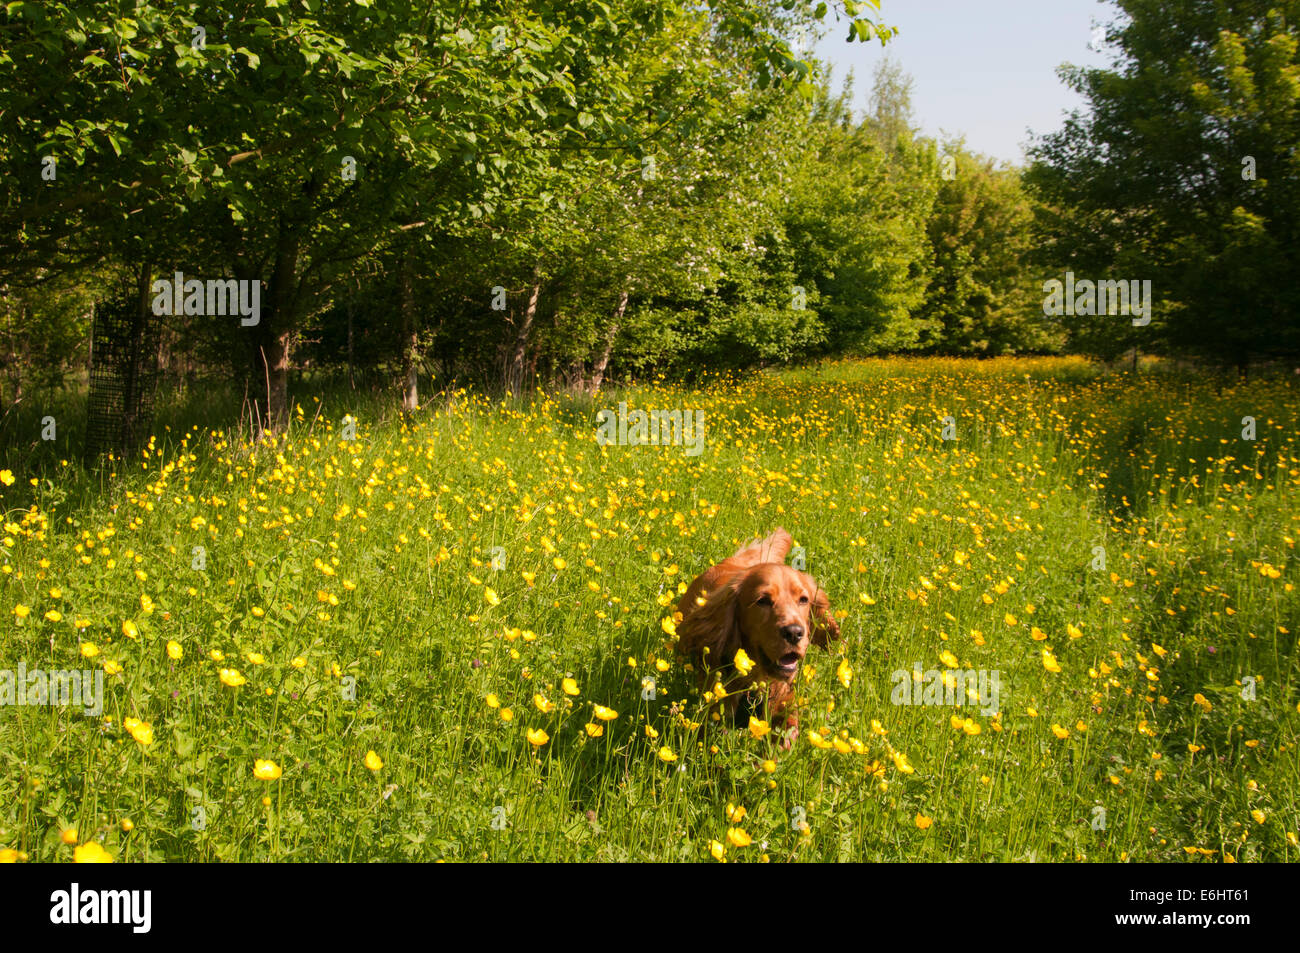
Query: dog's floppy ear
x,y
712,626
824,626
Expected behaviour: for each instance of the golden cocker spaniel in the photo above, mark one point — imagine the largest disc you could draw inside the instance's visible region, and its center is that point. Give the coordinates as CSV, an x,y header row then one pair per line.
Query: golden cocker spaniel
x,y
755,602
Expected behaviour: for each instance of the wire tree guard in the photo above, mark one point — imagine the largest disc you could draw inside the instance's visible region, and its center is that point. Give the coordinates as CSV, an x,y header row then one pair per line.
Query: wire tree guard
x,y
123,377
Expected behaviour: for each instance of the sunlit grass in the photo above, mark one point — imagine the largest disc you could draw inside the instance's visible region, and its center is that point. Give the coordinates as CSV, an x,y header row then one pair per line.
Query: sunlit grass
x,y
349,628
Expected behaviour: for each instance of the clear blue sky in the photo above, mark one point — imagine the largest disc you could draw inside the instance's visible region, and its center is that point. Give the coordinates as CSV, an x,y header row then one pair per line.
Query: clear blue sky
x,y
985,68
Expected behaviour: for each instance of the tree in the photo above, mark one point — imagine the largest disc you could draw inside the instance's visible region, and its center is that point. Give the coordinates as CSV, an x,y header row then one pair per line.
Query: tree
x,y
856,225
891,116
1186,173
983,294
292,144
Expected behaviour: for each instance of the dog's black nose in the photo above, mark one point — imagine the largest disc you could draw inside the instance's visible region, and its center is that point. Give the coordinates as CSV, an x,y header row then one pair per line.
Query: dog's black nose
x,y
792,633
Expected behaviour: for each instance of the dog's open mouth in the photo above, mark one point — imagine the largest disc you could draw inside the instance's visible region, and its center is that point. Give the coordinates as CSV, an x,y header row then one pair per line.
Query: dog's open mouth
x,y
785,666
788,662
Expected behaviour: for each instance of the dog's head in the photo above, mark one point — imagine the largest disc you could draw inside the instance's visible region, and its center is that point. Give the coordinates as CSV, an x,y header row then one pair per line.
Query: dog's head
x,y
778,618
772,611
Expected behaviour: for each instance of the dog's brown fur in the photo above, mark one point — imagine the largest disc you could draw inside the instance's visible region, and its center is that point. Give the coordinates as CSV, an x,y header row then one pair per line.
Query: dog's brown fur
x,y
754,601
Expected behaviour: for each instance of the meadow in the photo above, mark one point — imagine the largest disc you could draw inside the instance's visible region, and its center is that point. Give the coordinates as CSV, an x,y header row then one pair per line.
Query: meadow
x,y
450,636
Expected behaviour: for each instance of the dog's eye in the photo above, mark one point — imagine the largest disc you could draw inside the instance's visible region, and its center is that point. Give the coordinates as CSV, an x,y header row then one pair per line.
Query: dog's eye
x,y
765,600
803,600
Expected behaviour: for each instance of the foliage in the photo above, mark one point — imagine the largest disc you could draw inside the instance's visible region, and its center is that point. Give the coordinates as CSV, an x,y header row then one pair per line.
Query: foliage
x,y
1185,172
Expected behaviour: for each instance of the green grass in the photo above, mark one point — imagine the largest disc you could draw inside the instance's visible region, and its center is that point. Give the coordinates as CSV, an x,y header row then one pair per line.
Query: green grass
x,y
369,562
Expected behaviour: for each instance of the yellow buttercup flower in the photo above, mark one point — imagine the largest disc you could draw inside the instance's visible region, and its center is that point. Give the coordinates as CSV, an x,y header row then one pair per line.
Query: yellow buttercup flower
x,y
923,823
594,730
816,739
603,713
174,651
373,761
266,770
544,706
738,837
844,672
231,677
139,730
758,727
569,686
91,853
536,736
666,754
1049,662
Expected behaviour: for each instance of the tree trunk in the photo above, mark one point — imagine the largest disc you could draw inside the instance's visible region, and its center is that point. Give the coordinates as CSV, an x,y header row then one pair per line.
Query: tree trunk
x,y
271,362
602,362
515,372
410,342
